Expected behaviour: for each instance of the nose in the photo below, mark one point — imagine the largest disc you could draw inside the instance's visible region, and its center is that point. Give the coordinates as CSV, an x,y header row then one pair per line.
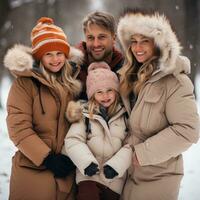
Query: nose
x,y
96,42
137,46
105,95
54,58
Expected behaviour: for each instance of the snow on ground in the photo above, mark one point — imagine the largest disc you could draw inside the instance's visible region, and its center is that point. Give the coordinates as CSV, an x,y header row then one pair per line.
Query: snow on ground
x,y
189,187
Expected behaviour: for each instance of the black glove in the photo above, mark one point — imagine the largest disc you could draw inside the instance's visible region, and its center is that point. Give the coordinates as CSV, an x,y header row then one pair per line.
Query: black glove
x,y
91,170
59,164
109,172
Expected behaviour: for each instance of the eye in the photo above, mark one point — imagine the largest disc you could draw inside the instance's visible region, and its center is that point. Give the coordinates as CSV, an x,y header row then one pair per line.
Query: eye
x,y
110,90
145,41
133,42
48,54
102,37
90,38
60,53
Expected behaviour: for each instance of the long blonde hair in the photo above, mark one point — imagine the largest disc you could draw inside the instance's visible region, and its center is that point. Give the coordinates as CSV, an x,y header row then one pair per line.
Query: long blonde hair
x,y
134,74
93,106
65,77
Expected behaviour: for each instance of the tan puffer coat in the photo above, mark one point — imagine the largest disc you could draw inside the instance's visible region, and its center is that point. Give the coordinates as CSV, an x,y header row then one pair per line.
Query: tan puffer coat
x,y
164,120
36,125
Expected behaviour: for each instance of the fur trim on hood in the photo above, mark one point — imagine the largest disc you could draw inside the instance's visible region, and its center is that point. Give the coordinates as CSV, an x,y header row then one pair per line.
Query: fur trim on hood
x,y
19,57
74,111
155,26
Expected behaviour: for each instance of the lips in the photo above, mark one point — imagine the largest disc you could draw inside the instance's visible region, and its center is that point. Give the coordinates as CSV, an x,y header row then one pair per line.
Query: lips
x,y
55,65
97,50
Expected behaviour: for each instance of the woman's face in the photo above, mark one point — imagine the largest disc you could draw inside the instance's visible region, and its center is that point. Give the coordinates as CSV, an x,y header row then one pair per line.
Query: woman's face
x,y
105,97
53,61
142,47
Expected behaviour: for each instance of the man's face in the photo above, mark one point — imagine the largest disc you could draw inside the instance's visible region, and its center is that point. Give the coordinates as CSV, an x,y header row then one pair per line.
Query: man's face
x,y
99,42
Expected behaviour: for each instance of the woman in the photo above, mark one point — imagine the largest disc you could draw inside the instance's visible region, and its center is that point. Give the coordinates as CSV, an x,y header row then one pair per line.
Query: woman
x,y
95,143
36,105
160,101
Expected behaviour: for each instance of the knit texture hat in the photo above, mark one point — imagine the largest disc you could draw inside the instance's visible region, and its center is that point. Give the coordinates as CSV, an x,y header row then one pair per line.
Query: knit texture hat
x,y
46,37
99,77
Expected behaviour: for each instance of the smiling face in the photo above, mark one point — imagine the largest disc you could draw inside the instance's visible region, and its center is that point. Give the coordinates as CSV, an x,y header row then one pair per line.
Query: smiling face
x,y
142,47
99,42
105,97
53,61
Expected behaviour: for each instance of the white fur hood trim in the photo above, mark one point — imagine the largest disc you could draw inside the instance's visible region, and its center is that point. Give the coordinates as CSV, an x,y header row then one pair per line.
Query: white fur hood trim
x,y
154,26
19,57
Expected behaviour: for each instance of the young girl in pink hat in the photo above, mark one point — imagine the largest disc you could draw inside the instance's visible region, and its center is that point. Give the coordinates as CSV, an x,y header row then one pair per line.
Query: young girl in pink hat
x,y
95,142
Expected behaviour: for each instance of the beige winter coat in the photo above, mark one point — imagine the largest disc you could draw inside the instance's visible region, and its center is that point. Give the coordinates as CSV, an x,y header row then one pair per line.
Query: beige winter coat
x,y
33,132
102,146
164,120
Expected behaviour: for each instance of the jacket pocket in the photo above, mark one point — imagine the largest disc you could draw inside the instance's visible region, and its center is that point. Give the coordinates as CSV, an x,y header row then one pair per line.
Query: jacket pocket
x,y
25,162
154,95
152,114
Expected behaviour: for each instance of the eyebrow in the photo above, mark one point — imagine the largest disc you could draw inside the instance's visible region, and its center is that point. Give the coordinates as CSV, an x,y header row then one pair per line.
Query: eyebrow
x,y
142,37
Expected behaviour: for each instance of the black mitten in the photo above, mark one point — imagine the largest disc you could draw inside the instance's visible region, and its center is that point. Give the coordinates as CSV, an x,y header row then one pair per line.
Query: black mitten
x,y
91,170
109,172
68,163
59,164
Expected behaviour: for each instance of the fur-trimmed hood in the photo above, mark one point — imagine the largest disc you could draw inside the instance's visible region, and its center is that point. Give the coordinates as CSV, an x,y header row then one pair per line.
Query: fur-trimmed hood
x,y
155,26
19,58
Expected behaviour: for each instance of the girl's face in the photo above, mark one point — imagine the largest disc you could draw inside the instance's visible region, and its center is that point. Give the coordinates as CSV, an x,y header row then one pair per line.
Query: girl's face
x,y
53,60
105,97
142,47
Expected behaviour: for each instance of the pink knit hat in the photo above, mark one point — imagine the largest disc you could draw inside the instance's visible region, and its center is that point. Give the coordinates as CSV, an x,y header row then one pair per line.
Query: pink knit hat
x,y
99,77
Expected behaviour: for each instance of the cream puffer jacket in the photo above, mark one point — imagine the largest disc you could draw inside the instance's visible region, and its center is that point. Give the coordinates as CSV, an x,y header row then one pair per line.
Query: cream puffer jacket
x,y
103,146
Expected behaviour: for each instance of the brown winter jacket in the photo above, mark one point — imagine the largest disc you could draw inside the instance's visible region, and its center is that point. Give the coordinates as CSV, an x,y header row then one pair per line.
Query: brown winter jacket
x,y
36,125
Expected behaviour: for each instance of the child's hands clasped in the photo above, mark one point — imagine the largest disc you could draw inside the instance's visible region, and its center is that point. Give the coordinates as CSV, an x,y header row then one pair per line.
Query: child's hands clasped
x,y
91,170
109,172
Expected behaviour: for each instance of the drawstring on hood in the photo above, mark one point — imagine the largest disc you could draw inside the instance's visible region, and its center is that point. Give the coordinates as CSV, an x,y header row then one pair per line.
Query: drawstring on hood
x,y
37,83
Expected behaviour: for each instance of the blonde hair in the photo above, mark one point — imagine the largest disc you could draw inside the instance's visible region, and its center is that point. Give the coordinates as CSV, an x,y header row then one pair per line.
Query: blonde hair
x,y
93,106
65,77
134,75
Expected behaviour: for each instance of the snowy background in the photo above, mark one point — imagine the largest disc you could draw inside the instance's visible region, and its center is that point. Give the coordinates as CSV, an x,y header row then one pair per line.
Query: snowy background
x,y
189,187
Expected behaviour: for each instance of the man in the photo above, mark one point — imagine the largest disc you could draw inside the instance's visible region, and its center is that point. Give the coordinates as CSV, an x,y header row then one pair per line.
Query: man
x,y
99,29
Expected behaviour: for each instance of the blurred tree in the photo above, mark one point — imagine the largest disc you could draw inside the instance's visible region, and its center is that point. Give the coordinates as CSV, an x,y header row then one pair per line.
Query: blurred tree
x,y
4,7
192,21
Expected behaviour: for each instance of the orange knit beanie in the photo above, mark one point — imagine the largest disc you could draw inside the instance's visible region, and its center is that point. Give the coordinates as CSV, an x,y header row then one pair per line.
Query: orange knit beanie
x,y
46,37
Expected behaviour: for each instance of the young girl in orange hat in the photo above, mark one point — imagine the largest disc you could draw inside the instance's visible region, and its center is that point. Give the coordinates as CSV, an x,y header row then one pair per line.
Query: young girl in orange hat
x,y
36,105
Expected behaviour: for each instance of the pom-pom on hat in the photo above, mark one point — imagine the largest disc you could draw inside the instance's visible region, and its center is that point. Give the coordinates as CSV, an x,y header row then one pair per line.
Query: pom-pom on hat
x,y
99,77
46,37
